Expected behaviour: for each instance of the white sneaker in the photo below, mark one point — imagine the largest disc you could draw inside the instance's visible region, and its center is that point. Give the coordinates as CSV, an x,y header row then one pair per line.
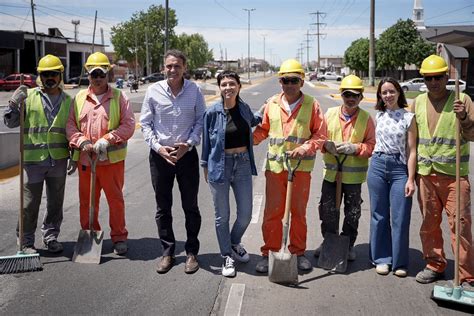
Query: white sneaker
x,y
228,268
382,269
239,253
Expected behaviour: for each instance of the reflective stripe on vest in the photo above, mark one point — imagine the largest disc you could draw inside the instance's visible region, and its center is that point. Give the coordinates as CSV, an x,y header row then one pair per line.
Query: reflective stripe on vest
x,y
299,133
354,169
437,152
115,153
41,140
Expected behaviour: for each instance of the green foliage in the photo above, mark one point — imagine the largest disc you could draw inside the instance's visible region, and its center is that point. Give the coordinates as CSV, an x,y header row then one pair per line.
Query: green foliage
x,y
195,48
356,56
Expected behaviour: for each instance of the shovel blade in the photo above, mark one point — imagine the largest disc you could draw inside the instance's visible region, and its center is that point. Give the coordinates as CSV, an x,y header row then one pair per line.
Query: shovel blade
x,y
282,268
334,251
88,248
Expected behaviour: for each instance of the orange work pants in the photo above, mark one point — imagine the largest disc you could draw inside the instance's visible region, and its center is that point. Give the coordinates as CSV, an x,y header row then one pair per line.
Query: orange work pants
x,y
435,193
109,178
275,197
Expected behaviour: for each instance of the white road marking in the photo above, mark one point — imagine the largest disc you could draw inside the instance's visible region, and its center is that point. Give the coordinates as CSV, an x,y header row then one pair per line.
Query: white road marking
x,y
255,93
257,206
234,300
264,165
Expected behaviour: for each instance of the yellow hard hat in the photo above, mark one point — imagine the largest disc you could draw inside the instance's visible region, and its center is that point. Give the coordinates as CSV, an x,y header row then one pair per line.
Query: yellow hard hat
x,y
50,63
433,64
351,82
291,66
97,60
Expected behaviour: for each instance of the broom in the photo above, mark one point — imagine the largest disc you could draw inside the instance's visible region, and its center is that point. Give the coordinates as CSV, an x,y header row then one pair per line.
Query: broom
x,y
21,262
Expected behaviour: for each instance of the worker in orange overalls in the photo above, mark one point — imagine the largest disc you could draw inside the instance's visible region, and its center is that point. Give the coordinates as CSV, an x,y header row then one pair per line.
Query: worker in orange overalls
x,y
295,124
100,123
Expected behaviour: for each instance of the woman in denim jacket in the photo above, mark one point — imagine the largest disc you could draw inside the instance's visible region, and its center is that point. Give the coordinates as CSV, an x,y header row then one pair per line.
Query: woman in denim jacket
x,y
228,161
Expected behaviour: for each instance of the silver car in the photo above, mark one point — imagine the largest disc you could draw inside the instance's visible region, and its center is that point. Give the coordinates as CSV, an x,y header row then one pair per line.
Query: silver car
x,y
412,85
450,85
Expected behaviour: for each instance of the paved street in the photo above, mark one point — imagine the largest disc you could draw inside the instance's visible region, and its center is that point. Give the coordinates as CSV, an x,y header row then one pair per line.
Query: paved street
x,y
130,285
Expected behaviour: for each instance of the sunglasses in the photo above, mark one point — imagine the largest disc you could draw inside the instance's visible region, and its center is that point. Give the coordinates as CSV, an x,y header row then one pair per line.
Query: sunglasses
x,y
290,80
98,74
49,74
437,78
350,95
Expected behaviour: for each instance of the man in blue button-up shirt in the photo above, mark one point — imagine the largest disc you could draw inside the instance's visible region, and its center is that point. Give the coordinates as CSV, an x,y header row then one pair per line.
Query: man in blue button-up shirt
x,y
171,121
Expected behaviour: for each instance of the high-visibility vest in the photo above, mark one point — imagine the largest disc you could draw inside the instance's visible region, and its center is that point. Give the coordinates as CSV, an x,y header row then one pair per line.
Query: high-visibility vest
x,y
115,153
437,152
299,133
39,139
354,169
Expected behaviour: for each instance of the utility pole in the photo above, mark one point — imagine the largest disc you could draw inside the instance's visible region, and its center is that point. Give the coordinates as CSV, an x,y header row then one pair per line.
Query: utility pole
x,y
302,51
136,55
248,55
76,28
102,41
166,30
93,34
148,71
372,45
264,62
318,34
307,49
34,31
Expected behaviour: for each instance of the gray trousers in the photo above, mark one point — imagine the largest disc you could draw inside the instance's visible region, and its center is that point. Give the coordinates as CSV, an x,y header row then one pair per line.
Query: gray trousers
x,y
55,179
329,215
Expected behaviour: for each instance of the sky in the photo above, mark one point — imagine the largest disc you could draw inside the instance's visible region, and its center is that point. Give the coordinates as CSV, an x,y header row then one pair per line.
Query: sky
x,y
279,29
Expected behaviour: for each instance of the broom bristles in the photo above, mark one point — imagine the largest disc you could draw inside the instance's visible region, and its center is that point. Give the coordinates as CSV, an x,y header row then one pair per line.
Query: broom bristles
x,y
20,263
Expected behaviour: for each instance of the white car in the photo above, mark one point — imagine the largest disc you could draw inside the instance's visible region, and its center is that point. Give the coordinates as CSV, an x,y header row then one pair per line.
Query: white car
x,y
329,76
218,71
450,85
412,85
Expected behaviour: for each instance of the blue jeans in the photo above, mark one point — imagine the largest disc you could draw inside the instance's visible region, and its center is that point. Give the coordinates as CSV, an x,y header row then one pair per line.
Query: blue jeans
x,y
238,175
390,211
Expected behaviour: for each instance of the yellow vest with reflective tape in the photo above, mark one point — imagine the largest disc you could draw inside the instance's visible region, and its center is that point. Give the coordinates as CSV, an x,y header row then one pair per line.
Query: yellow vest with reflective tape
x,y
437,153
299,133
354,169
41,140
115,153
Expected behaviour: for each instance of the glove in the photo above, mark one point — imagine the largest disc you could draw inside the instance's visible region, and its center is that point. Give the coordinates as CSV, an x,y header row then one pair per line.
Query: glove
x,y
330,147
19,96
100,148
346,148
71,166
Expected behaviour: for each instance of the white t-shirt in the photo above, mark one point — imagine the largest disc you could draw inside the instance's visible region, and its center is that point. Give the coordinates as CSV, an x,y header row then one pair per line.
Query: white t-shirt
x,y
391,132
290,107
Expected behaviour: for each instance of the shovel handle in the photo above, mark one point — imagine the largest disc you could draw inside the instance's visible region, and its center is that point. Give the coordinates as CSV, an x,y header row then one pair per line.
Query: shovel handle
x,y
291,172
289,193
93,161
339,180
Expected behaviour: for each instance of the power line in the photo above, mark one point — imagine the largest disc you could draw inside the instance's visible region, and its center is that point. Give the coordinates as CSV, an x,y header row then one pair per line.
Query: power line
x,y
449,12
323,15
228,11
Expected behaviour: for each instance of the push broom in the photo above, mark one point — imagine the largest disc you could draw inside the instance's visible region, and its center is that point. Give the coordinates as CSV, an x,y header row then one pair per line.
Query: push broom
x,y
21,262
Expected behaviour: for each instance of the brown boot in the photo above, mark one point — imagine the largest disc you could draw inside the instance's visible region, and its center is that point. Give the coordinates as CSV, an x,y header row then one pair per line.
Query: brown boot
x,y
165,264
191,264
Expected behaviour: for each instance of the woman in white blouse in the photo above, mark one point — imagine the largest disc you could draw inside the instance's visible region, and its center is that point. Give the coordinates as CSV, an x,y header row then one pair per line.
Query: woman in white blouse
x,y
391,180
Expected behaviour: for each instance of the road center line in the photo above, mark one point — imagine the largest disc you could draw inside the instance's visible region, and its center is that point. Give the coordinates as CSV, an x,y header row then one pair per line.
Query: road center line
x,y
234,300
257,206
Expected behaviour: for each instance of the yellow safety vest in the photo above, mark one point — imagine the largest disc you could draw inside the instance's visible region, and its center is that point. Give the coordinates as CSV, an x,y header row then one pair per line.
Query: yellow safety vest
x,y
299,133
437,152
115,153
41,140
354,169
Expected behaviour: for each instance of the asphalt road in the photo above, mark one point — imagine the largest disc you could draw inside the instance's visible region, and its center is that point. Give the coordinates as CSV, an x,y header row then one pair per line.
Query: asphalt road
x,y
130,285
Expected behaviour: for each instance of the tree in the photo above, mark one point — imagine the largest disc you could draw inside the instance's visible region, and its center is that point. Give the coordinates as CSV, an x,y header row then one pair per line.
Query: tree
x,y
356,56
195,48
401,44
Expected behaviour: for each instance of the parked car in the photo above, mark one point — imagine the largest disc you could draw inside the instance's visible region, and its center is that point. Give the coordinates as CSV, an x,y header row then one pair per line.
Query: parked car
x,y
81,81
412,85
12,81
450,85
202,73
329,76
218,71
313,76
154,77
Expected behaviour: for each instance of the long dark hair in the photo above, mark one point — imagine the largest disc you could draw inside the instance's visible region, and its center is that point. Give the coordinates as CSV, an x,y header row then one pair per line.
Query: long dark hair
x,y
402,101
229,74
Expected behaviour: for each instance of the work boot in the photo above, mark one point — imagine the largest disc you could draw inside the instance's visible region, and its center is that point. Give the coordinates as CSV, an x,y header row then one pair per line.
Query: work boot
x,y
29,250
228,268
351,256
303,263
120,248
53,246
191,264
428,276
317,251
165,264
239,253
262,265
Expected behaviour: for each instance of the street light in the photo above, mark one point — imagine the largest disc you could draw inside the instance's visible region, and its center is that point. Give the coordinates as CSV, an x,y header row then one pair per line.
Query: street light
x,y
248,55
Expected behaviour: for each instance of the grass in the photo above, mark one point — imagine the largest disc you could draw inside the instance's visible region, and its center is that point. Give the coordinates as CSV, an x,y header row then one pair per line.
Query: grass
x,y
412,94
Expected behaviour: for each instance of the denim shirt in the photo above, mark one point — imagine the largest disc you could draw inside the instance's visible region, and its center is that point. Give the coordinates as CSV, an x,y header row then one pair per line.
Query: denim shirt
x,y
213,139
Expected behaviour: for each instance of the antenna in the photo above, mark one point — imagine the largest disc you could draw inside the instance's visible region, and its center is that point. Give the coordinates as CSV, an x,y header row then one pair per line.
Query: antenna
x,y
76,23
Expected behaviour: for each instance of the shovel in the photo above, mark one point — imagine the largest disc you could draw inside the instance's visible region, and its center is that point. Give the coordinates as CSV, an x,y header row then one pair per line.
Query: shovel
x,y
88,248
335,247
282,266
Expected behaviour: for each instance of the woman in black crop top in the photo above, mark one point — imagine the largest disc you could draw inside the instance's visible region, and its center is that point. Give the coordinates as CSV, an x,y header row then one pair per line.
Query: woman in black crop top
x,y
228,161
